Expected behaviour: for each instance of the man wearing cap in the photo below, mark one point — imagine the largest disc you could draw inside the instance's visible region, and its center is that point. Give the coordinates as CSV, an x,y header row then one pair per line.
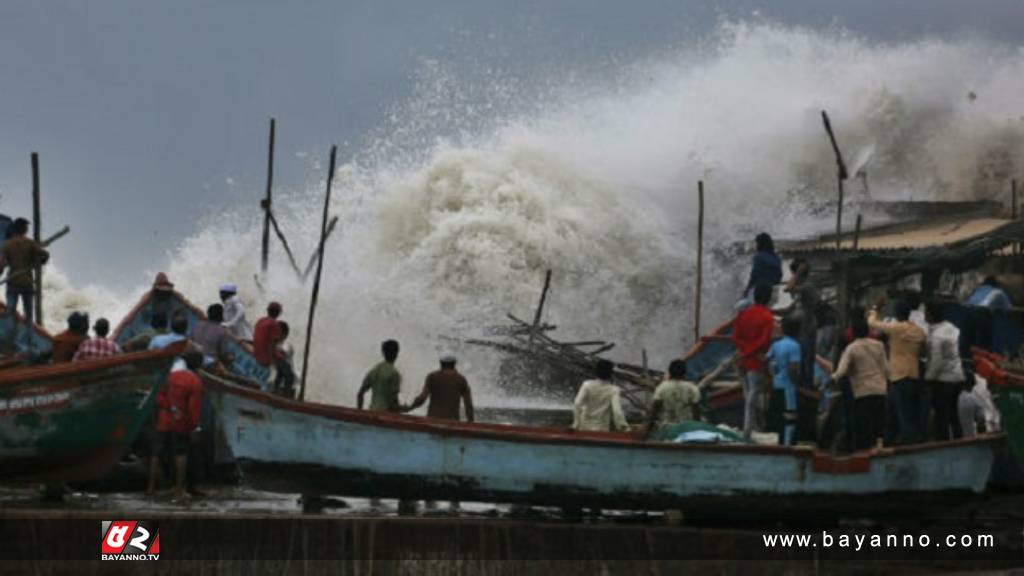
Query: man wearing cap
x,y
234,312
445,388
266,338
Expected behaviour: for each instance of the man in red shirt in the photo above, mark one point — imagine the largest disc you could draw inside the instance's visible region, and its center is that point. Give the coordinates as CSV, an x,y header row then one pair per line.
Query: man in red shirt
x,y
266,338
752,335
179,403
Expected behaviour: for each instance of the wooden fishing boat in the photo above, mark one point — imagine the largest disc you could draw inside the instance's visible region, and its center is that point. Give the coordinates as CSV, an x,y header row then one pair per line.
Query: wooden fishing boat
x,y
74,421
169,302
19,342
292,446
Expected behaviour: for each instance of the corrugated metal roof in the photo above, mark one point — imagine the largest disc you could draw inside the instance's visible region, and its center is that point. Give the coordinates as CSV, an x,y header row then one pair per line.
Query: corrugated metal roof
x,y
907,236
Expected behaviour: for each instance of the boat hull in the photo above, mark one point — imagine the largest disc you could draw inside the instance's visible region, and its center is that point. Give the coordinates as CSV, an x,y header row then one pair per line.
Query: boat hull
x,y
73,422
301,447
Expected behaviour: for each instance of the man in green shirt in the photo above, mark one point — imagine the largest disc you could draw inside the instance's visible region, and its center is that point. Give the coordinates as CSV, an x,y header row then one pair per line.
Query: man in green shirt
x,y
384,380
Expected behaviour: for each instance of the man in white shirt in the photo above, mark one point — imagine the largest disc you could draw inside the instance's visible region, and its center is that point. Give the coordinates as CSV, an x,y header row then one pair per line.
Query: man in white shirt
x,y
234,313
944,373
598,406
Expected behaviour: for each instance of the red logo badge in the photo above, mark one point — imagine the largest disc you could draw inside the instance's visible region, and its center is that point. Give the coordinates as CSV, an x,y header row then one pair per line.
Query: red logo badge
x,y
130,540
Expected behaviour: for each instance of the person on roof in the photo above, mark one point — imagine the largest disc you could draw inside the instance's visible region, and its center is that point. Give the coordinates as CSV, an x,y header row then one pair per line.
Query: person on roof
x,y
752,335
66,344
21,255
100,346
766,267
987,301
598,405
234,312
446,388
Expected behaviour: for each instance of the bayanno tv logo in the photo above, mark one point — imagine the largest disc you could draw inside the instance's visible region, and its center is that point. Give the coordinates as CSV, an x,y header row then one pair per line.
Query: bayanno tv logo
x,y
130,540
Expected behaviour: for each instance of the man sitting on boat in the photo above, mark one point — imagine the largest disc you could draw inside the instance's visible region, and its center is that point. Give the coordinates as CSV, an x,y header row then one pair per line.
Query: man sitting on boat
x,y
675,399
598,406
99,346
445,388
179,403
66,344
383,381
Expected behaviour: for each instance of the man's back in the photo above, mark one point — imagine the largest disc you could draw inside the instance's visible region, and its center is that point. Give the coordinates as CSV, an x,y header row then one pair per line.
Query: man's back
x,y
678,397
98,347
752,333
385,383
265,337
65,345
598,407
180,402
447,388
211,337
22,254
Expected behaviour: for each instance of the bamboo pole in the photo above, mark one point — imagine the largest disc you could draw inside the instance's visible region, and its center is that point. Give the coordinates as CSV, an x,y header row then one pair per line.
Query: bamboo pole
x,y
700,260
841,175
856,232
319,271
284,243
37,231
316,253
267,201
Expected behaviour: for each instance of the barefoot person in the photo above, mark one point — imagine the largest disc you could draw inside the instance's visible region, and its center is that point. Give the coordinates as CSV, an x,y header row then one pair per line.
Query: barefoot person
x,y
179,403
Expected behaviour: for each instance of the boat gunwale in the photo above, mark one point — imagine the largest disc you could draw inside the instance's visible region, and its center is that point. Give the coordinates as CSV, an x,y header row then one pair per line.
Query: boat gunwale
x,y
22,375
823,461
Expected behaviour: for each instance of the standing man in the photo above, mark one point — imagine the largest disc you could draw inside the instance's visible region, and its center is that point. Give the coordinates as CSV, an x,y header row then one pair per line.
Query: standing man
x,y
234,312
863,362
179,403
266,338
906,340
598,406
445,388
675,399
212,337
944,373
766,268
784,360
100,346
806,310
752,335
21,255
383,381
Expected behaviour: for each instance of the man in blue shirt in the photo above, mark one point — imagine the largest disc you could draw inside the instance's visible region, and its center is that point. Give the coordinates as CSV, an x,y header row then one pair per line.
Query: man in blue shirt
x,y
784,361
989,295
983,305
766,269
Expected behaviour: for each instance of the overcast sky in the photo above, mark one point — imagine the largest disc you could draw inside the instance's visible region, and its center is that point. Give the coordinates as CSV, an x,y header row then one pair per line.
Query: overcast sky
x,y
149,114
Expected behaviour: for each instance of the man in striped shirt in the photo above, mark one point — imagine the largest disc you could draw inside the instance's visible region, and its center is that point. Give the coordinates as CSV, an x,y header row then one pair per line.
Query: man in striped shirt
x,y
100,346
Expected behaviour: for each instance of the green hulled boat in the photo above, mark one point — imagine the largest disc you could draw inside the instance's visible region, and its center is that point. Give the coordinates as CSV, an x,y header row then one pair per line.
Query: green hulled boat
x,y
74,421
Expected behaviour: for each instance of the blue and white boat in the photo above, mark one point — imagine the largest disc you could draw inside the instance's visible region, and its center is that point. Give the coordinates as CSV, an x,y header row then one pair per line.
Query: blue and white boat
x,y
291,446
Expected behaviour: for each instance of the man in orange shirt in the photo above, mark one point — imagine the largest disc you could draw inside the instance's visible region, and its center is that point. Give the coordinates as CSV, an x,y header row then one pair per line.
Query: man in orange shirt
x,y
906,396
67,342
752,335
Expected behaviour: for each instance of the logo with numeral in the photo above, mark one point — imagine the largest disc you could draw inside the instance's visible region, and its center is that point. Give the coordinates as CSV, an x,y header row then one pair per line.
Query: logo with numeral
x,y
130,540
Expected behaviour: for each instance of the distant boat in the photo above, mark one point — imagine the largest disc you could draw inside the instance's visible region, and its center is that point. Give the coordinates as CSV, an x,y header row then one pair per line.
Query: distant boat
x,y
138,321
292,446
74,421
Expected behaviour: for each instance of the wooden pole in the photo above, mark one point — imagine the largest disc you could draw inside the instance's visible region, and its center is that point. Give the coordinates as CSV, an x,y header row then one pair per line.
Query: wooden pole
x,y
700,260
543,297
266,201
841,176
856,233
316,279
1013,199
37,231
316,253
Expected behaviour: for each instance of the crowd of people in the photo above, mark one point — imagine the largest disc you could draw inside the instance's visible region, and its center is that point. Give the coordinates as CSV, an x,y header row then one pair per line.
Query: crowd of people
x,y
885,379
